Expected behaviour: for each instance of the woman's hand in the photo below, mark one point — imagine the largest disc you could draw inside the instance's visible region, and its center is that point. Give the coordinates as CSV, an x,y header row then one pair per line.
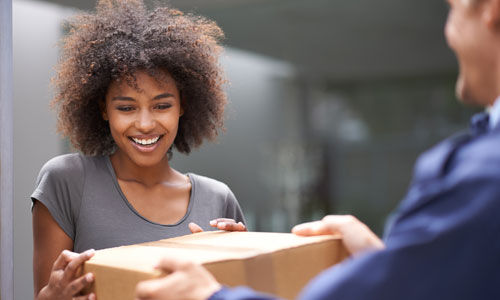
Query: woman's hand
x,y
65,281
221,224
185,281
357,237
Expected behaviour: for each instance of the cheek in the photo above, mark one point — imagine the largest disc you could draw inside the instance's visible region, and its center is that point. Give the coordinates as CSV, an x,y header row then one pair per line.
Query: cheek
x,y
172,118
117,125
450,32
172,123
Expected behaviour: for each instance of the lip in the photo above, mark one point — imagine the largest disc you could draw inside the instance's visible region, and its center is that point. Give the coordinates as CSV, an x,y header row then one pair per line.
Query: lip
x,y
144,148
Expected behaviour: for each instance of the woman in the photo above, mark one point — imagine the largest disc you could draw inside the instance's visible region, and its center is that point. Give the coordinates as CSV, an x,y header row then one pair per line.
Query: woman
x,y
132,85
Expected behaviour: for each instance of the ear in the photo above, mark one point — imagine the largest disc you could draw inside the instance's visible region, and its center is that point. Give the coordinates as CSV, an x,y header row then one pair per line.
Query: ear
x,y
181,112
491,13
102,108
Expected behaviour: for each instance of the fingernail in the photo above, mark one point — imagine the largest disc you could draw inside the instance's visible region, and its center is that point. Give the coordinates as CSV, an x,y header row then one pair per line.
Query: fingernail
x,y
221,225
90,252
213,222
92,296
297,228
89,277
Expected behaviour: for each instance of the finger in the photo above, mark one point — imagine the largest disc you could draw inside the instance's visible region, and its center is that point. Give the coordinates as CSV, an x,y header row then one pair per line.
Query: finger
x,y
232,226
215,222
149,289
63,259
77,285
169,264
75,264
195,228
341,224
90,296
312,228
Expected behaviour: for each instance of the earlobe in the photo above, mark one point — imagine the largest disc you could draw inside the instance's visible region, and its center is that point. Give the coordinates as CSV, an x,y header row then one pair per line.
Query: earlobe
x,y
104,114
181,112
492,14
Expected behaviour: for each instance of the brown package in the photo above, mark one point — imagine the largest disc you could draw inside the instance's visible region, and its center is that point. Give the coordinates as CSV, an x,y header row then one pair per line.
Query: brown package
x,y
276,263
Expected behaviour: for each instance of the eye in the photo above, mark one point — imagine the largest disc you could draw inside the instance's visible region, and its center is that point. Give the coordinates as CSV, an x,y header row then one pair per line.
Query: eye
x,y
162,106
125,108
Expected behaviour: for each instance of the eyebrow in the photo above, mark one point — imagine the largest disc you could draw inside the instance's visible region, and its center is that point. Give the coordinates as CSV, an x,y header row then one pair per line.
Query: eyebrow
x,y
158,97
123,98
164,95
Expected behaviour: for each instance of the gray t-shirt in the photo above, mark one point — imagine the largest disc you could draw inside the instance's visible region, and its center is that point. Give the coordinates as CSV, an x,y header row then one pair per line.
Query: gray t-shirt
x,y
83,196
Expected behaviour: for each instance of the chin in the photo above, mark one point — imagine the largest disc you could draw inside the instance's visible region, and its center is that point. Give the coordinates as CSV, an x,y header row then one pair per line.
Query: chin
x,y
145,161
464,93
149,161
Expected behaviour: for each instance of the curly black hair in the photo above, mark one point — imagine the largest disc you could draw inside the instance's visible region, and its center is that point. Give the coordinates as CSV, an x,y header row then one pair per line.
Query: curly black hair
x,y
121,38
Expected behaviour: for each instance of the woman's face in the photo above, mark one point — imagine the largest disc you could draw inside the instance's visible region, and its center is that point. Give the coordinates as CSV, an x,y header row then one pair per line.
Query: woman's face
x,y
143,120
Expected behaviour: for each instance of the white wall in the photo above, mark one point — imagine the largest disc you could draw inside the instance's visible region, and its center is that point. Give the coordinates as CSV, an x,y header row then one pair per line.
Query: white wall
x,y
36,29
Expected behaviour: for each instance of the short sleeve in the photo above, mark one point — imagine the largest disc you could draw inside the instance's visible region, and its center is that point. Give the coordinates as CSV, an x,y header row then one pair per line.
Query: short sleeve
x,y
59,187
233,209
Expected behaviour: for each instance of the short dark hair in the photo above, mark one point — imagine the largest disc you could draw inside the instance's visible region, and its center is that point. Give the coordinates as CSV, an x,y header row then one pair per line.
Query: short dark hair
x,y
123,37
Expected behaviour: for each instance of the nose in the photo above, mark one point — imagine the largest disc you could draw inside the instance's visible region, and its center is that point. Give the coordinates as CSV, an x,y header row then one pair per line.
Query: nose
x,y
145,121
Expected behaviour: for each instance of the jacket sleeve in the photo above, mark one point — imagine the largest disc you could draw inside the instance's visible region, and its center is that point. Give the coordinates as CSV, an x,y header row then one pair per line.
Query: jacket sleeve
x,y
446,248
239,293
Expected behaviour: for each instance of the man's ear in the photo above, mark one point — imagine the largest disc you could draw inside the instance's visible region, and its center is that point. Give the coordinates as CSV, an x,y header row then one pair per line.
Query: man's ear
x,y
491,13
102,108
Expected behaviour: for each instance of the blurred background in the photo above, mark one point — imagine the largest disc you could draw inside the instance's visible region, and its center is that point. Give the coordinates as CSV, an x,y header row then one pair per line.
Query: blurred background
x,y
330,104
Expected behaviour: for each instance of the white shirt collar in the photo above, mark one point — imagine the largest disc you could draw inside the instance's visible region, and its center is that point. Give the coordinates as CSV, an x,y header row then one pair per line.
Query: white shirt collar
x,y
494,112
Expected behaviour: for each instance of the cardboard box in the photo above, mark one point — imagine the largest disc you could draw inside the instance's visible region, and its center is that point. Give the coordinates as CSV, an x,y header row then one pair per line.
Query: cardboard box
x,y
276,263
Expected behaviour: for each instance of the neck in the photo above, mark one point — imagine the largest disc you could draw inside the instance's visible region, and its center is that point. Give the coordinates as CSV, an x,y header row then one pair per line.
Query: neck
x,y
127,170
494,73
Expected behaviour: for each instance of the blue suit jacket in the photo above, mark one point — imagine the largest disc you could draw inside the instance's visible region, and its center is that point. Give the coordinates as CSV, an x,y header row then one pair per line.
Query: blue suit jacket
x,y
442,243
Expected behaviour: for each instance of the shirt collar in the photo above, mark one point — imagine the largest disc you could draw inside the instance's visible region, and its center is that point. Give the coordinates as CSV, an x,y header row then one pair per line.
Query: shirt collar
x,y
494,112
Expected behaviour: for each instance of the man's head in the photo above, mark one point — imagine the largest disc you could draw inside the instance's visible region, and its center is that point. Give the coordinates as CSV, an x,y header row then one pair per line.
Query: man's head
x,y
473,33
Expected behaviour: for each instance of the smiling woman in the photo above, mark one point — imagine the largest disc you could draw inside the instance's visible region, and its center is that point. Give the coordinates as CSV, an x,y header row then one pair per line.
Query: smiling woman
x,y
131,86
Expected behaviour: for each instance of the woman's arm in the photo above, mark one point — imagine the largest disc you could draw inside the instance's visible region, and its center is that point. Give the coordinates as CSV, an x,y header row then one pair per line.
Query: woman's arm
x,y
55,267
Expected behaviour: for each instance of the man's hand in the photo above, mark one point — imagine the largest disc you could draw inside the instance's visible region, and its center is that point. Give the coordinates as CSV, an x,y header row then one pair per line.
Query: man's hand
x,y
185,281
357,237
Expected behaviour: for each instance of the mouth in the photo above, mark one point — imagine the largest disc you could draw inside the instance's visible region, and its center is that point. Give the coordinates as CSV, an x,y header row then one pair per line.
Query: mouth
x,y
149,142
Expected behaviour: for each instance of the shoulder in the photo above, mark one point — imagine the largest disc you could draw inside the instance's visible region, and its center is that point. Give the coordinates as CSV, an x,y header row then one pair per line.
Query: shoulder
x,y
209,186
480,156
68,166
64,164
484,147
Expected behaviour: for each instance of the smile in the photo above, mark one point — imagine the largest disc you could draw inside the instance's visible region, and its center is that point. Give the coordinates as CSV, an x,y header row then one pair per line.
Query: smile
x,y
146,142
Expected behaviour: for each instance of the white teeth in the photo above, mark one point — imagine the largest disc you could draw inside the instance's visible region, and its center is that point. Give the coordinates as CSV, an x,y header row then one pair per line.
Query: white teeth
x,y
146,142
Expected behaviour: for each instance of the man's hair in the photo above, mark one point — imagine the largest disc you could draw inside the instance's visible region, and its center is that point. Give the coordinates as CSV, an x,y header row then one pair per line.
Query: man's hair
x,y
123,37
